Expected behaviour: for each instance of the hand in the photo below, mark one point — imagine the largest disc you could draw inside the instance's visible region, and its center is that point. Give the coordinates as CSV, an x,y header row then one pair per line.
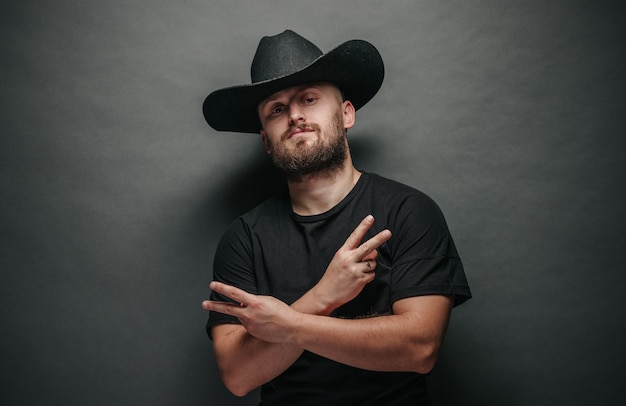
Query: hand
x,y
352,267
264,317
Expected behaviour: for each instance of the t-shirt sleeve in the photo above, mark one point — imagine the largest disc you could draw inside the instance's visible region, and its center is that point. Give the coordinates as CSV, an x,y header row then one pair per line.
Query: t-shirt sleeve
x,y
425,259
233,265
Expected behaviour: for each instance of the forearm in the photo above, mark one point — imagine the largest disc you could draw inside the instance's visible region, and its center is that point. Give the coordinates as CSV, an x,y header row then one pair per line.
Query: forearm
x,y
384,343
407,340
246,362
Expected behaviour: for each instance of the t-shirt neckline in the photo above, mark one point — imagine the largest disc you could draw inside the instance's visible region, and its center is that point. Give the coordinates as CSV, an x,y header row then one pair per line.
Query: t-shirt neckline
x,y
338,207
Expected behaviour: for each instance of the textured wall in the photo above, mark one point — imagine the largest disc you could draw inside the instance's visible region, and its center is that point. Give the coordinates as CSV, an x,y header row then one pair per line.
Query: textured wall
x,y
114,191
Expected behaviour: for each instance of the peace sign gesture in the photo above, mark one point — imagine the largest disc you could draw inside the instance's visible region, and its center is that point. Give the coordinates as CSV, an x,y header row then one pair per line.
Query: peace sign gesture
x,y
352,267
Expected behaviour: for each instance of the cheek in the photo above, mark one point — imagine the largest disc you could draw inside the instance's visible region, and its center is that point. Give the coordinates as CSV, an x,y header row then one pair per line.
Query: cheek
x,y
271,140
274,128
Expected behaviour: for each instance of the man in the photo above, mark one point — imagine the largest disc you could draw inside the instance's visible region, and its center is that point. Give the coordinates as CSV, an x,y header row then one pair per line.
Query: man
x,y
340,292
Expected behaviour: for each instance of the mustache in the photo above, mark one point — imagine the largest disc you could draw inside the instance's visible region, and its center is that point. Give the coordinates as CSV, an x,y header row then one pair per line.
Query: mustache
x,y
301,127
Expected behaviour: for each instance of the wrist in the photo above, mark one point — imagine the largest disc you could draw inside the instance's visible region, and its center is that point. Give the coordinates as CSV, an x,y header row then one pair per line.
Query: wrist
x,y
325,304
315,302
294,334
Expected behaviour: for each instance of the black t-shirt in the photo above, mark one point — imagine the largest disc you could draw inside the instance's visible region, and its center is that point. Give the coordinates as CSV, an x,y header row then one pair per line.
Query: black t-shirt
x,y
273,251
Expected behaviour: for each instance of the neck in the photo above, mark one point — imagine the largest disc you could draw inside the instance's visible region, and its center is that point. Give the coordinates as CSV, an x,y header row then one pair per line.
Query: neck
x,y
319,192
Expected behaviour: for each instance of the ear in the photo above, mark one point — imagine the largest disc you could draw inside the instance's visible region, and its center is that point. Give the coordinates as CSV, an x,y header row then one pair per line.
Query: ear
x,y
349,114
266,144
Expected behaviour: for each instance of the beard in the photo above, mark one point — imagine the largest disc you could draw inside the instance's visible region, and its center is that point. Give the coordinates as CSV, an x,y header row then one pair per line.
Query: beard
x,y
325,155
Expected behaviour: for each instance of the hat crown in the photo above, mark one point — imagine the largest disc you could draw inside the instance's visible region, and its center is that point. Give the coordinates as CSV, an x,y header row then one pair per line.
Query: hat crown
x,y
281,55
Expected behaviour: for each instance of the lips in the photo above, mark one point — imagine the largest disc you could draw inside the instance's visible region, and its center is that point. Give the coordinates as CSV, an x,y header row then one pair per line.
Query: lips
x,y
298,130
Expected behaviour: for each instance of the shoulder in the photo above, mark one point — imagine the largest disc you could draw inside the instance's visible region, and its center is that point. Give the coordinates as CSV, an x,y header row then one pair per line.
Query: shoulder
x,y
267,213
238,240
399,195
264,216
381,183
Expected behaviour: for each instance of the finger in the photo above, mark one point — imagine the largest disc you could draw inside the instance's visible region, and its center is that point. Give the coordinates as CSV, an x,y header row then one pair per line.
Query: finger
x,y
372,255
369,273
357,235
368,247
232,309
236,294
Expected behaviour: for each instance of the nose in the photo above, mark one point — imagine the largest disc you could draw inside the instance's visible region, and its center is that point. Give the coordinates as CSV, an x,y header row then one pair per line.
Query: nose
x,y
296,114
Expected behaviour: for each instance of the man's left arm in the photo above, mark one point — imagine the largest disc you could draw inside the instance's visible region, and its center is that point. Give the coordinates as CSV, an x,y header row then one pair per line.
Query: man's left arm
x,y
407,340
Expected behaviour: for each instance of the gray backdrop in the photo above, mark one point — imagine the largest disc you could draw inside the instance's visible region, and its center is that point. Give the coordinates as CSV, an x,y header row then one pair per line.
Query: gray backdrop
x,y
114,191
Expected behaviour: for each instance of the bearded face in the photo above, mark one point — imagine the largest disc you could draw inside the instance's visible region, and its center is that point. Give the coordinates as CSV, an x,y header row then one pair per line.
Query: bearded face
x,y
326,152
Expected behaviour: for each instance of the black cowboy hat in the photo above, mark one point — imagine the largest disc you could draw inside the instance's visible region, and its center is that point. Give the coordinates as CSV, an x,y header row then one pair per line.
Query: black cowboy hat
x,y
287,60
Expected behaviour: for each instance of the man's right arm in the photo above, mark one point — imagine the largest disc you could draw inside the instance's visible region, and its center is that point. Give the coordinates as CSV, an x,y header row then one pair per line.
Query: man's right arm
x,y
246,362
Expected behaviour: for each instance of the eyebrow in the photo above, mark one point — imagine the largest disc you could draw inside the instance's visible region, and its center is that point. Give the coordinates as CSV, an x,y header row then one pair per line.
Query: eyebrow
x,y
265,102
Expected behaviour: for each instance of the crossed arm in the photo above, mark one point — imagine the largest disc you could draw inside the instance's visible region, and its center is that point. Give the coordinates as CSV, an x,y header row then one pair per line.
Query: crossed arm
x,y
273,335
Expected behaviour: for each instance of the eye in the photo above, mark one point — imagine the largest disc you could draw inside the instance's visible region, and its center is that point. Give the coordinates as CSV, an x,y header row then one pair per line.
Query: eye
x,y
309,99
276,110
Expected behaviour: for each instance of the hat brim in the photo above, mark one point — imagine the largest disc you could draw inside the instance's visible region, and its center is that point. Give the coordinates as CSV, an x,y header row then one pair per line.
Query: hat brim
x,y
356,67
